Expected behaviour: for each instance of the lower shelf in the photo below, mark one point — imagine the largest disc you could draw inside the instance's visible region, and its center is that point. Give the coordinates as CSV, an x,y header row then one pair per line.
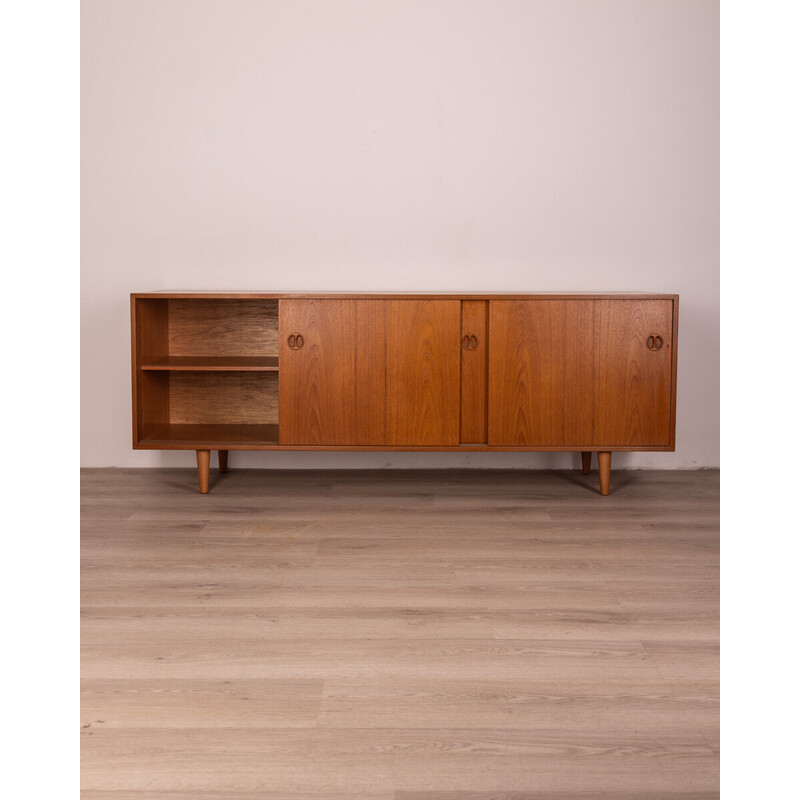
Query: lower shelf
x,y
185,436
210,437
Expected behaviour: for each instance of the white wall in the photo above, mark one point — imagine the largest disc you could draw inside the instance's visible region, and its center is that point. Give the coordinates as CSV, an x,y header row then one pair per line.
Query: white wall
x,y
455,145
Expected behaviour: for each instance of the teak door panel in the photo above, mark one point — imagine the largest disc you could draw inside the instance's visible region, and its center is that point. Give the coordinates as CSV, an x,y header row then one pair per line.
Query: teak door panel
x,y
540,372
579,373
422,372
317,391
369,378
369,372
633,384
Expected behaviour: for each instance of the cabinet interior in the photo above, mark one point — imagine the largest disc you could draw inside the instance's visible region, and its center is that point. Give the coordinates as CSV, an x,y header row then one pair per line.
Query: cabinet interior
x,y
207,370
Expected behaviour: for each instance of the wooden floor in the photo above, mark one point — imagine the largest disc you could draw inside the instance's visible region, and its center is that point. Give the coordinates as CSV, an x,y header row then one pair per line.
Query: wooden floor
x,y
399,636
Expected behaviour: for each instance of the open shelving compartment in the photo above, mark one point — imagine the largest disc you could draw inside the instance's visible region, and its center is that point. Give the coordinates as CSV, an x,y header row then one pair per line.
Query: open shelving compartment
x,y
205,373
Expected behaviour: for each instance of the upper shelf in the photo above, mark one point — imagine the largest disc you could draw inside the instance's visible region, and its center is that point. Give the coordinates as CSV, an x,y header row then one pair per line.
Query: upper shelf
x,y
214,363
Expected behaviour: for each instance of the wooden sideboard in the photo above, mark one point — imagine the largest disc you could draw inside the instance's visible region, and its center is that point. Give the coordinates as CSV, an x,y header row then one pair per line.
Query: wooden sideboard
x,y
479,372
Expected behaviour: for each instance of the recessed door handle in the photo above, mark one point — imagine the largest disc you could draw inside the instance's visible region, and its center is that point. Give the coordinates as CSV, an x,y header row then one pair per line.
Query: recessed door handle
x,y
295,341
469,342
654,342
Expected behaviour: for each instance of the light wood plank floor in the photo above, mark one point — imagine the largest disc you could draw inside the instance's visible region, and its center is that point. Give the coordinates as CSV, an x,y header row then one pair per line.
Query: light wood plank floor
x,y
431,635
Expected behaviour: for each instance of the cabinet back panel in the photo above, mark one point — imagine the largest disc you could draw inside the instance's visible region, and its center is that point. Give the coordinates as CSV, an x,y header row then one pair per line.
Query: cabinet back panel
x,y
217,398
223,327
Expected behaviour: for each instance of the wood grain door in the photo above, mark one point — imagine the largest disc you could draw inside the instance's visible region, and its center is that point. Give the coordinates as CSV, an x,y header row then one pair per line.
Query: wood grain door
x,y
633,383
369,372
423,362
579,373
317,368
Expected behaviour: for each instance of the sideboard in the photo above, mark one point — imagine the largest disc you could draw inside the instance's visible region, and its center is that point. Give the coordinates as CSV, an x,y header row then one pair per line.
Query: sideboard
x,y
590,373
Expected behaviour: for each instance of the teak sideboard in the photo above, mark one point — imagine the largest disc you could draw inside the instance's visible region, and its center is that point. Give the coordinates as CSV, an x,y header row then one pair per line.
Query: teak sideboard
x,y
480,372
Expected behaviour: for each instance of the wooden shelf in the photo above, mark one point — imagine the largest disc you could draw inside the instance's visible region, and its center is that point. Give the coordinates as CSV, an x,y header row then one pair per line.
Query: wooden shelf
x,y
213,364
210,437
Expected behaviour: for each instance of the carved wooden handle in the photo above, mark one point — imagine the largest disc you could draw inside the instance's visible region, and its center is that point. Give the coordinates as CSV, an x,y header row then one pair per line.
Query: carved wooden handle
x,y
295,341
654,342
469,342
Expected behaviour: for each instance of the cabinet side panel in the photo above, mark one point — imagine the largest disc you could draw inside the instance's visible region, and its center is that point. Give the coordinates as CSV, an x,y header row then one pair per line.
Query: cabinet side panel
x,y
149,334
633,400
422,372
317,389
674,375
474,388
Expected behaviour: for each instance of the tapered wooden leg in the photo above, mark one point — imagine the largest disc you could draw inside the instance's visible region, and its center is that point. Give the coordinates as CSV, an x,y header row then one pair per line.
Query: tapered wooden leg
x,y
223,460
586,459
604,466
203,460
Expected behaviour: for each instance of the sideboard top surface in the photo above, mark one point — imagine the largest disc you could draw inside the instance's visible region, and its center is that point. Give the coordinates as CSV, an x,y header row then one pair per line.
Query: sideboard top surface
x,y
258,295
